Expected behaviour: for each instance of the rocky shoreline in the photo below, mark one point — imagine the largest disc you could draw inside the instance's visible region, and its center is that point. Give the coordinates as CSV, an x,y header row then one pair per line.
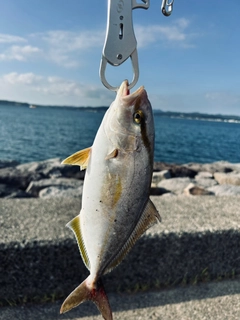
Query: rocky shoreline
x,y
47,179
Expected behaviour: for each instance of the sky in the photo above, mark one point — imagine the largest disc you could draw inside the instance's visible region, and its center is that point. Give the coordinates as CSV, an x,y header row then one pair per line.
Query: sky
x,y
50,53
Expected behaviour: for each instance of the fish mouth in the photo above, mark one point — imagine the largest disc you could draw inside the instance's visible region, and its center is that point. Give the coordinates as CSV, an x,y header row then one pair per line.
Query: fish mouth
x,y
126,96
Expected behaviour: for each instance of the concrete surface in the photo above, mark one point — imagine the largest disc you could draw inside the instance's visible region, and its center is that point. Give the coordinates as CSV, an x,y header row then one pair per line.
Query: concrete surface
x,y
209,301
198,240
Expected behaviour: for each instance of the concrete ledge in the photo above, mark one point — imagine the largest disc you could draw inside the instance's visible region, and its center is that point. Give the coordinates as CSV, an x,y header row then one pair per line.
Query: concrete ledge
x,y
207,301
198,240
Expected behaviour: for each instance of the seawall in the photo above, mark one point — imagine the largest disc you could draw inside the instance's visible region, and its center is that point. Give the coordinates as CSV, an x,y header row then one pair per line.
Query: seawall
x,y
198,240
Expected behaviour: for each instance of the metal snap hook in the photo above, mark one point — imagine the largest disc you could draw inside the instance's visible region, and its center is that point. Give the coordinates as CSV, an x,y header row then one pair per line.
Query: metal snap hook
x,y
103,65
167,7
120,42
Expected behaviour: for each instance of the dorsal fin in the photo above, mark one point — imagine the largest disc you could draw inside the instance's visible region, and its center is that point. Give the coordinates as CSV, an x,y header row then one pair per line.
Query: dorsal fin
x,y
149,217
79,158
75,226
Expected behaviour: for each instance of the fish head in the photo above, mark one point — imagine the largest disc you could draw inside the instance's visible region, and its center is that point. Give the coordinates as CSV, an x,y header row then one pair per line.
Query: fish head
x,y
130,124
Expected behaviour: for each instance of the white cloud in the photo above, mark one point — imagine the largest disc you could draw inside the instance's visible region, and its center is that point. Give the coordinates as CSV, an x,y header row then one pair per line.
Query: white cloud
x,y
70,41
174,33
11,50
71,49
20,53
62,58
65,47
24,78
60,87
8,38
182,22
28,50
54,90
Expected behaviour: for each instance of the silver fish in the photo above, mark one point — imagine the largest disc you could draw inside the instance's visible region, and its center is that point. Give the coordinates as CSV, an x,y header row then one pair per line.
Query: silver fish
x,y
116,209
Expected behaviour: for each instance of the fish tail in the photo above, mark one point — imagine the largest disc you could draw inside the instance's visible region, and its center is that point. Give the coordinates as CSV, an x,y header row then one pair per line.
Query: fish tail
x,y
87,290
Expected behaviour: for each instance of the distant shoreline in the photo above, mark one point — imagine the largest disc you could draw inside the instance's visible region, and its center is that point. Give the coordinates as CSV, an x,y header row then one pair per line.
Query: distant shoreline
x,y
28,105
157,112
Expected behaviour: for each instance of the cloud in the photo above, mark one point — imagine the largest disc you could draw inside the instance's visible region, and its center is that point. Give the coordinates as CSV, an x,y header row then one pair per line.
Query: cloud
x,y
71,49
11,50
20,53
56,90
65,47
24,78
70,41
60,87
175,33
8,38
65,88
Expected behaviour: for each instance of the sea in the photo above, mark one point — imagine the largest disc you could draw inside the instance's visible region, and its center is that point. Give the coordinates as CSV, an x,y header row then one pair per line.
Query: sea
x,y
35,134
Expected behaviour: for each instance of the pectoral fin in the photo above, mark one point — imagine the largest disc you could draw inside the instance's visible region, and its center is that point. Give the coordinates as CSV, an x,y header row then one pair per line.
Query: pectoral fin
x,y
79,158
149,217
112,155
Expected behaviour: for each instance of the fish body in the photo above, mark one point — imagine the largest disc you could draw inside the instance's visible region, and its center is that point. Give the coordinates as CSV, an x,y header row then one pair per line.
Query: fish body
x,y
116,209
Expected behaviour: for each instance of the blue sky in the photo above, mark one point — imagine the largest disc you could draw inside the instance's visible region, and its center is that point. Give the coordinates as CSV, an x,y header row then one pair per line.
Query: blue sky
x,y
50,53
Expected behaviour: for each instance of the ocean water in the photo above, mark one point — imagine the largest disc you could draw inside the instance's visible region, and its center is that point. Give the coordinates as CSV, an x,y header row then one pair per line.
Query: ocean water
x,y
42,133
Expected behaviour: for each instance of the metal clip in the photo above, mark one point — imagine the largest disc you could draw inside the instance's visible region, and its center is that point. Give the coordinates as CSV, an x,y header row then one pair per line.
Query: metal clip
x,y
120,42
167,7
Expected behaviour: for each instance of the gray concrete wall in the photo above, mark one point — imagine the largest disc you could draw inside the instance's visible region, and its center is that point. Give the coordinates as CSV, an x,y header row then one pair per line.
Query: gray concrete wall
x,y
198,240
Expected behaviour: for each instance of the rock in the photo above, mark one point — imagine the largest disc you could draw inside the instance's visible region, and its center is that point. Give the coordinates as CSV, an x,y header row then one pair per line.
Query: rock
x,y
219,166
194,190
61,191
66,171
159,176
182,172
6,190
225,190
39,166
16,178
205,183
204,175
19,177
160,166
228,166
52,168
235,167
175,185
175,170
155,191
8,163
19,194
228,178
49,178
169,194
35,186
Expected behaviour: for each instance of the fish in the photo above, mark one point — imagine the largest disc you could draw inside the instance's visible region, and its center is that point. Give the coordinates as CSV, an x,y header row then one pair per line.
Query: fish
x,y
116,209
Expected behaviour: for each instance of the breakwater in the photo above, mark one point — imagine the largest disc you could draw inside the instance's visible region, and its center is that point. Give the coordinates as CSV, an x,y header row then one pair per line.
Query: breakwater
x,y
47,179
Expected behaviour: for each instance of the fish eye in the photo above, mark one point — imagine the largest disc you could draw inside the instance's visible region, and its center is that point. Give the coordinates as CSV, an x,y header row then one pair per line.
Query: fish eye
x,y
138,117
